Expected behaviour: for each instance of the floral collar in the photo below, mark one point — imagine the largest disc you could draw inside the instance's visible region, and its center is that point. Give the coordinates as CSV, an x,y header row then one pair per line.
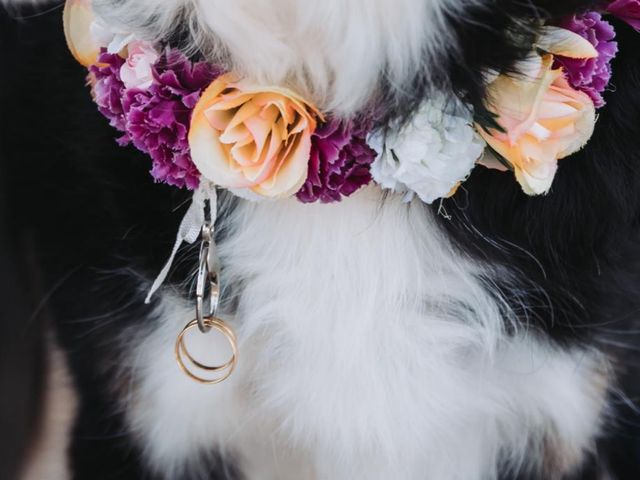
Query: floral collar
x,y
197,122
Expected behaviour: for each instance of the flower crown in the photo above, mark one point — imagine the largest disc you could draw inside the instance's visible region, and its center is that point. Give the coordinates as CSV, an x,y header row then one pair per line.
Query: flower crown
x,y
199,123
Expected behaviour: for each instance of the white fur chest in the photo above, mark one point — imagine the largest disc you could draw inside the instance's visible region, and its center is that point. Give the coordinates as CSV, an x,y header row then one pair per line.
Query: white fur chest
x,y
369,350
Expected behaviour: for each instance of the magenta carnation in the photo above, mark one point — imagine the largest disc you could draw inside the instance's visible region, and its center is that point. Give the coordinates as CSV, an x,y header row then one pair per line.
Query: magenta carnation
x,y
108,91
339,163
590,75
627,10
157,119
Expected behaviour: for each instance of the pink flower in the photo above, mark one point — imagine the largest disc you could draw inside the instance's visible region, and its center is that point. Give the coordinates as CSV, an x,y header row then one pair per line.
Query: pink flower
x,y
137,71
108,91
627,10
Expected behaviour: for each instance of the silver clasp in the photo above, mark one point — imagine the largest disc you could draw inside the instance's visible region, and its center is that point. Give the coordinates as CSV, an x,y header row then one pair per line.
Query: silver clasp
x,y
207,281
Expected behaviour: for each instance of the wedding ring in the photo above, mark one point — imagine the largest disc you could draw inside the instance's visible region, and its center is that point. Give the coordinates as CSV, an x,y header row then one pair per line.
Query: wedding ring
x,y
181,352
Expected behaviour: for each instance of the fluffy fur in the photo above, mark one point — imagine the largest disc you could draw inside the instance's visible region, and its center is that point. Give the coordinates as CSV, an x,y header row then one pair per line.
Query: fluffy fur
x,y
333,51
378,362
485,338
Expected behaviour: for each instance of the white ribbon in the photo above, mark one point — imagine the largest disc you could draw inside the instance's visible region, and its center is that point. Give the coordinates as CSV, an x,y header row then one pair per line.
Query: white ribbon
x,y
190,229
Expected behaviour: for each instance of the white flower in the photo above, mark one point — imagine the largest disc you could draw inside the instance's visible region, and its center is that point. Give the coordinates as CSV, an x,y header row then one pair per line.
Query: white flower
x,y
430,155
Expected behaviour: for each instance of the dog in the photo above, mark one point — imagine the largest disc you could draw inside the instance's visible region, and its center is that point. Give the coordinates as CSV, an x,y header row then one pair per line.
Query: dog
x,y
490,336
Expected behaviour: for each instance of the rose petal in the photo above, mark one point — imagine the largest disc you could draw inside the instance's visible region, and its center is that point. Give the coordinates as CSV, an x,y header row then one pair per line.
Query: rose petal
x,y
77,18
536,182
560,41
292,174
207,152
211,158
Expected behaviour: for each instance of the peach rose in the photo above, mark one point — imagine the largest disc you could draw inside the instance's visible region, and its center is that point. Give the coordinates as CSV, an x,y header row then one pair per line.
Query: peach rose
x,y
244,136
544,120
77,19
543,117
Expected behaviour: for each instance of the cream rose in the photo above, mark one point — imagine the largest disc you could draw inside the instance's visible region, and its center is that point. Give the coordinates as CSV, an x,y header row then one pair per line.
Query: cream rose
x,y
544,120
87,34
252,138
77,20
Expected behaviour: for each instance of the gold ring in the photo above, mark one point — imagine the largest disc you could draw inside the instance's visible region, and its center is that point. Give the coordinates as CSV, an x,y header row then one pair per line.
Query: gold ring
x,y
221,327
181,349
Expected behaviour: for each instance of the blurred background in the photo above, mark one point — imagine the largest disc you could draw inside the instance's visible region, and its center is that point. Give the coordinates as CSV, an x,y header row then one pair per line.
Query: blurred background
x,y
63,250
26,359
49,223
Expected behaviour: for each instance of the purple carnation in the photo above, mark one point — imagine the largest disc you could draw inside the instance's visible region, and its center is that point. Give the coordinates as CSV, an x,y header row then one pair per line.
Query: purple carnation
x,y
590,75
627,10
157,119
108,91
339,163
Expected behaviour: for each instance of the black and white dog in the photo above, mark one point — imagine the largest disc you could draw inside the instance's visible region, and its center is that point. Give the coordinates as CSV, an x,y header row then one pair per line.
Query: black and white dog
x,y
493,336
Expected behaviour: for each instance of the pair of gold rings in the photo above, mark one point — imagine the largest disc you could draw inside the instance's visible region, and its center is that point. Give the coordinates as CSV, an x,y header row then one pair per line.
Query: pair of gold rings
x,y
199,371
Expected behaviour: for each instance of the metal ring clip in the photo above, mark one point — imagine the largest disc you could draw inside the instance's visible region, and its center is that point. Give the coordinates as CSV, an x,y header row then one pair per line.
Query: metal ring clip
x,y
228,367
206,282
207,299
